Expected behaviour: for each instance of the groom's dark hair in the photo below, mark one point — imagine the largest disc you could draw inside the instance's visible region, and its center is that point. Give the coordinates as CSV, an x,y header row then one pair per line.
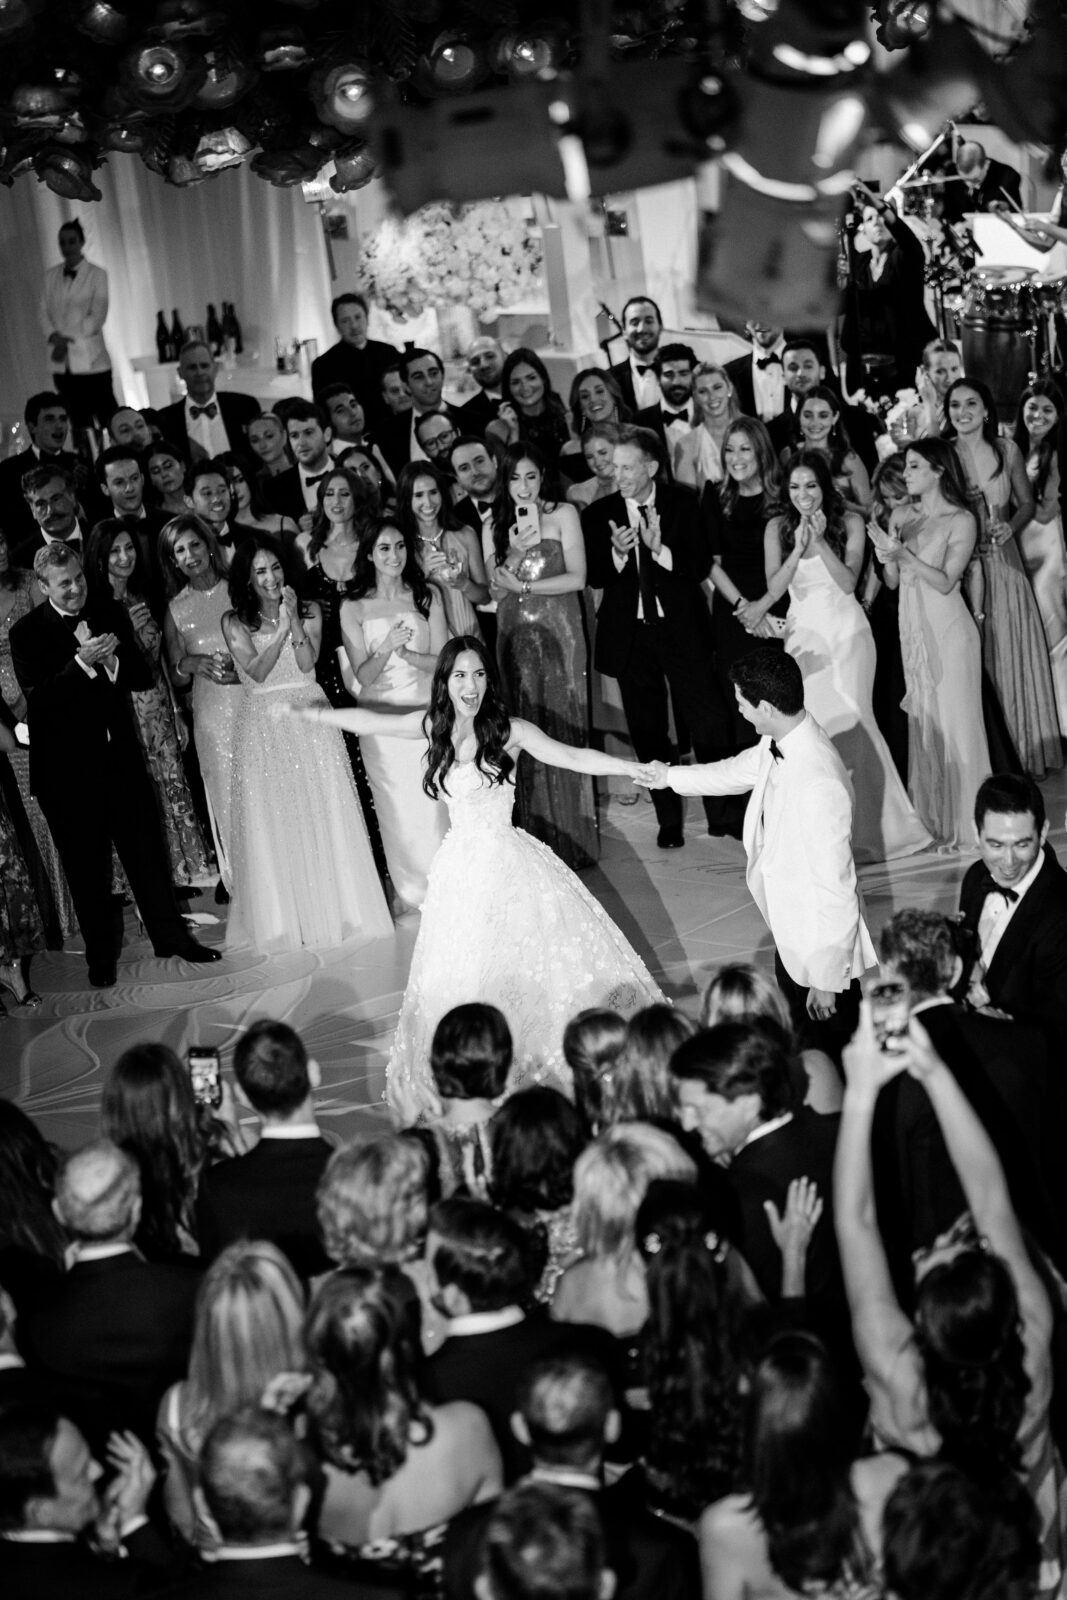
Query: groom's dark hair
x,y
1008,794
773,676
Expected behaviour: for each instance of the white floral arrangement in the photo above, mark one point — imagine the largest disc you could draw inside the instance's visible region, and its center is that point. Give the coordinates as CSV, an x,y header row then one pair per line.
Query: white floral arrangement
x,y
480,256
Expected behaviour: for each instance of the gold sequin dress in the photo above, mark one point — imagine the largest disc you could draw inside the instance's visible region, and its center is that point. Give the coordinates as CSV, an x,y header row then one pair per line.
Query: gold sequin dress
x,y
504,921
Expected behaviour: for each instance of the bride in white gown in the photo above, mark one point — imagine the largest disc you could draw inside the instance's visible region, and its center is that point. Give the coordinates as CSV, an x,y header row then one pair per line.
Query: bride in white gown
x,y
814,549
504,920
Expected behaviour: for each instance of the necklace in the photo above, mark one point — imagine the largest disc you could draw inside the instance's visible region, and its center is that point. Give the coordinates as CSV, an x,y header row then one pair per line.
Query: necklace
x,y
432,539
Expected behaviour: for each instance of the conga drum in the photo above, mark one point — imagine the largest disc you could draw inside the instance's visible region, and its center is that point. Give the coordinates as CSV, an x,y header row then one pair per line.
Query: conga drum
x,y
998,320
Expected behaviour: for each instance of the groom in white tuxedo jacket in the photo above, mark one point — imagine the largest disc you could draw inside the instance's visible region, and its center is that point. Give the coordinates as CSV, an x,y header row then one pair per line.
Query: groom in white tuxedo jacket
x,y
798,839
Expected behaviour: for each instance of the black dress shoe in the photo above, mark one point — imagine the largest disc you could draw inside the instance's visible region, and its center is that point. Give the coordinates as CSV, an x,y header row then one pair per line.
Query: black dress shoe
x,y
670,839
102,977
189,950
222,895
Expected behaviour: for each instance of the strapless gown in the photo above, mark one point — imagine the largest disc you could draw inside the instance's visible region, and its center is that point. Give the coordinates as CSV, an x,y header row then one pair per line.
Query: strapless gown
x,y
829,637
506,922
197,615
303,872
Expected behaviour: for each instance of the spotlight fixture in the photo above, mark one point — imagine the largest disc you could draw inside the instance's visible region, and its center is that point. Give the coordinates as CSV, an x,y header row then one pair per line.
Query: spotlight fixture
x,y
901,23
354,171
455,62
66,172
157,75
533,51
343,93
39,105
228,77
128,134
103,23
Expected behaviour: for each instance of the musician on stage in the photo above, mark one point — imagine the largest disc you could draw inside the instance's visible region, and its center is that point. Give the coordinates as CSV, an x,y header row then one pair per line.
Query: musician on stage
x,y
986,183
885,313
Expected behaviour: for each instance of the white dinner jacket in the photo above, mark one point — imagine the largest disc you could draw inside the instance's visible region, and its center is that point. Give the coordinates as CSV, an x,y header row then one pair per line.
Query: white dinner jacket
x,y
800,868
77,307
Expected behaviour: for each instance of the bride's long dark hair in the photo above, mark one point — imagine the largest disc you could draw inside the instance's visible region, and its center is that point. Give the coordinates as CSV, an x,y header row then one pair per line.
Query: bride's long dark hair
x,y
492,725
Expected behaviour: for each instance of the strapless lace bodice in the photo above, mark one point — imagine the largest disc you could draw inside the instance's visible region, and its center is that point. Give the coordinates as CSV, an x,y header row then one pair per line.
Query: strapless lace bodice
x,y
474,801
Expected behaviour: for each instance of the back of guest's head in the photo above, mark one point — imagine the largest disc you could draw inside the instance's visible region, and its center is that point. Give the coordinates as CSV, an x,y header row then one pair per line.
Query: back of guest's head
x,y
543,1543
470,1056
946,1537
536,1136
271,1065
148,1108
565,1402
740,992
1009,794
252,1469
591,1044
28,1167
372,1203
98,1194
737,1058
772,676
480,1251
611,1178
641,1084
922,949
27,1436
365,1402
248,1329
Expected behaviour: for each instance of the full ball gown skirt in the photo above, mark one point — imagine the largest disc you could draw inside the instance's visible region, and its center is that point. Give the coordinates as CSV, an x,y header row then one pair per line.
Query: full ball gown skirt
x,y
829,637
1041,545
506,922
544,664
303,872
948,755
197,615
412,824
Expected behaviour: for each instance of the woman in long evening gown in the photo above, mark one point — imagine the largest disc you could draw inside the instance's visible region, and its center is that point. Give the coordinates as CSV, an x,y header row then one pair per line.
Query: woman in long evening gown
x,y
303,872
194,572
815,550
926,554
1013,639
113,565
1041,412
448,550
536,561
504,920
392,630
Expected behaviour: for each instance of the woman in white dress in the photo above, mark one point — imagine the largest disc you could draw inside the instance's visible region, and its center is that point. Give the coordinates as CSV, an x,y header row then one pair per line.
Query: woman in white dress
x,y
303,872
814,550
698,453
504,920
194,572
392,631
926,554
1041,541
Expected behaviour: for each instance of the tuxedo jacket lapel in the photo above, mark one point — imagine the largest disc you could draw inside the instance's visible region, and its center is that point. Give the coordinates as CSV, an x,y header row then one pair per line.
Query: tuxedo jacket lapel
x,y
1019,931
754,830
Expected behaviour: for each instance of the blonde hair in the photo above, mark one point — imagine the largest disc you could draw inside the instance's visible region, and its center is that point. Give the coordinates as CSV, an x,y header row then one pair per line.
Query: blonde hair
x,y
611,1177
739,992
372,1202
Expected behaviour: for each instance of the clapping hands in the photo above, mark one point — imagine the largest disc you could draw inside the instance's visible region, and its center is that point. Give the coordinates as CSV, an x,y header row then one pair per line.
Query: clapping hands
x,y
623,537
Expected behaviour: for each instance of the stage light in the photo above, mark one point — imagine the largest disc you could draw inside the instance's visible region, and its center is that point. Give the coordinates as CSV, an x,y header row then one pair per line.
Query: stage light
x,y
39,105
288,167
66,172
529,52
129,135
353,171
344,94
228,78
103,22
157,75
455,62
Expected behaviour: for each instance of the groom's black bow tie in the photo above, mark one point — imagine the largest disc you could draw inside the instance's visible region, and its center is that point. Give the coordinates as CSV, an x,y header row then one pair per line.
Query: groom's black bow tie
x,y
763,362
989,885
775,752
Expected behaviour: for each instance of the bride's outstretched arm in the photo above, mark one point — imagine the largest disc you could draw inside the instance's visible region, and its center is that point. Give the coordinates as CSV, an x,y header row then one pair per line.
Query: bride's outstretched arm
x,y
355,719
554,754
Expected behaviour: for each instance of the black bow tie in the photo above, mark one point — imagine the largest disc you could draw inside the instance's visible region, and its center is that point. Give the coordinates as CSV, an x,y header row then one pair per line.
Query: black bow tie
x,y
675,416
70,272
763,362
318,479
210,410
775,752
483,507
642,370
989,885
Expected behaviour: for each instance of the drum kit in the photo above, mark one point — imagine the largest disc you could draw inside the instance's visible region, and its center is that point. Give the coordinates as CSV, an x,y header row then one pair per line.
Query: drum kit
x,y
1006,318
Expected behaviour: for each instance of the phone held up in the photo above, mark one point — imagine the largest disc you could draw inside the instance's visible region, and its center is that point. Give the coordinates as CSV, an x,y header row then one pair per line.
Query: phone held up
x,y
890,1010
205,1071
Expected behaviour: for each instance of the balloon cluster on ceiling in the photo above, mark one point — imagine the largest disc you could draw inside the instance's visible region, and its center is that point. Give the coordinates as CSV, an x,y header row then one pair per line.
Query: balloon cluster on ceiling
x,y
292,86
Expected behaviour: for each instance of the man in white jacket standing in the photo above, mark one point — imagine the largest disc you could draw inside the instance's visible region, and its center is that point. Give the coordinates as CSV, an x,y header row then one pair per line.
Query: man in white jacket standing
x,y
73,312
798,839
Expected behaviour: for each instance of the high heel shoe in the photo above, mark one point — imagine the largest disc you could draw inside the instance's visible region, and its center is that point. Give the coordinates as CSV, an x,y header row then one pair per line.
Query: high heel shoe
x,y
27,998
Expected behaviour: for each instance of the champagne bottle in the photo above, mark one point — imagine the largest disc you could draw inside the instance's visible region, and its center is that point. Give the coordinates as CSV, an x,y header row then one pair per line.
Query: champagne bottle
x,y
214,330
177,333
231,328
164,349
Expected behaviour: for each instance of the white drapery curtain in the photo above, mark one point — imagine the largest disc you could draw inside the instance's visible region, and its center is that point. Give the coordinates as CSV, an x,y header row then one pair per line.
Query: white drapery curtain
x,y
234,238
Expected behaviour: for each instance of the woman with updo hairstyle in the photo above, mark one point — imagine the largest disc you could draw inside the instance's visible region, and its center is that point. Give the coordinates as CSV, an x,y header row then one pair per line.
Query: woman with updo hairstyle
x,y
591,1044
814,551
810,1519
611,1177
247,1334
536,1137
470,1061
739,992
395,1464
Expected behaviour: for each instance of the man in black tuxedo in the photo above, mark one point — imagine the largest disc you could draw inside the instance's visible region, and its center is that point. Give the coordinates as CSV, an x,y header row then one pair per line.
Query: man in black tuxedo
x,y
1013,909
130,428
475,470
736,1091
355,359
642,329
424,373
674,414
76,665
1004,1069
295,492
122,481
348,424
48,423
757,377
480,1271
485,363
647,550
804,369
206,424
566,1416
116,1330
50,1503
208,493
270,1192
51,497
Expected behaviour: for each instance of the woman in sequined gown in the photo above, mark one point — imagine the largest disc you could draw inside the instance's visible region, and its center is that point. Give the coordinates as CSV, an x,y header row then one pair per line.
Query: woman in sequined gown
x,y
392,630
195,576
504,921
113,565
303,873
537,569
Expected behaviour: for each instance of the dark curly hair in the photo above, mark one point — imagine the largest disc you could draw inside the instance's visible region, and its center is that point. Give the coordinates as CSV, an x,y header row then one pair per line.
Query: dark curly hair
x,y
243,597
536,1136
365,578
492,725
691,1349
833,504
